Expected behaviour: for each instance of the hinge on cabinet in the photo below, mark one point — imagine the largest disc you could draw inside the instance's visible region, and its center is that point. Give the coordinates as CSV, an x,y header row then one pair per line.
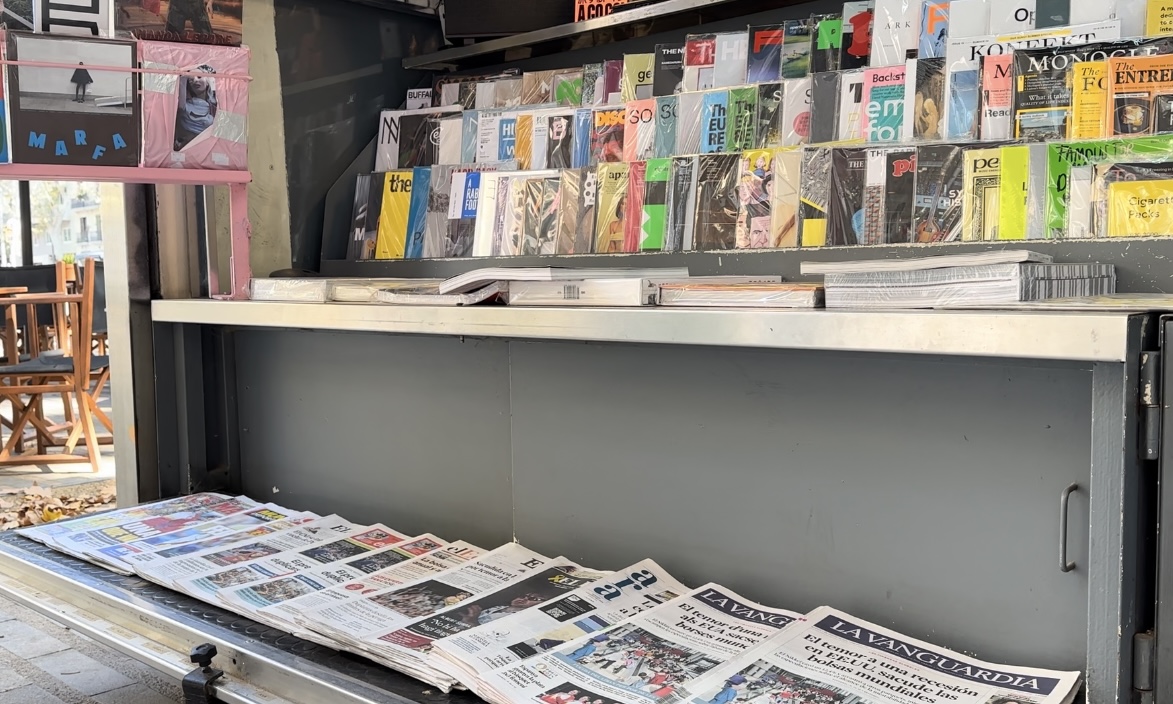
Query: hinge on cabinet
x,y
1142,667
1150,403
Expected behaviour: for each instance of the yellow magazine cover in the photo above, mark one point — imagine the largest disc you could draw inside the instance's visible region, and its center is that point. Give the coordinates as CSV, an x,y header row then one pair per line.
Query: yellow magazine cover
x,y
524,146
1140,95
783,192
980,193
1158,18
611,211
636,82
1140,208
393,215
1089,100
1013,192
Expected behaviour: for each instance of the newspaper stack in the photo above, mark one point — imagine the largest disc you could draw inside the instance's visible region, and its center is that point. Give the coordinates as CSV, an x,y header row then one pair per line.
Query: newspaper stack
x,y
470,655
832,657
959,281
646,658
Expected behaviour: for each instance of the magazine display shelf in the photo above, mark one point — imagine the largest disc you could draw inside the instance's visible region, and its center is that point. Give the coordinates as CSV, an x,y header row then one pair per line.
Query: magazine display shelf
x,y
801,409
237,181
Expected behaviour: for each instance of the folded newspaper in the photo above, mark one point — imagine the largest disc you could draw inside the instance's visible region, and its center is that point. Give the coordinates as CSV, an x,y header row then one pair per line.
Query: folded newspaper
x,y
646,658
831,657
469,655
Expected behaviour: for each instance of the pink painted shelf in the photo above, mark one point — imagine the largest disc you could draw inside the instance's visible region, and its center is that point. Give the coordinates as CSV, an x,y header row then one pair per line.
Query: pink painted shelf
x,y
121,174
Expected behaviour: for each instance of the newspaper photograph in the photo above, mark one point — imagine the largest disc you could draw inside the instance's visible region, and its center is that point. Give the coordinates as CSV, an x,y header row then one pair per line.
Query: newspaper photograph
x,y
114,556
168,572
82,544
48,533
646,658
831,657
590,608
144,559
330,548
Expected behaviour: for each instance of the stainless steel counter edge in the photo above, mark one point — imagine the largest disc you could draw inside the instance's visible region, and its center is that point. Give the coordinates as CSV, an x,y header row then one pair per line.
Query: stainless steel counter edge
x,y
1077,336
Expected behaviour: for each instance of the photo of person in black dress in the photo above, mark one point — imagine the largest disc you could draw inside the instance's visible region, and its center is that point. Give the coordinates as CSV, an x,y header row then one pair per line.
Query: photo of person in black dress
x,y
81,79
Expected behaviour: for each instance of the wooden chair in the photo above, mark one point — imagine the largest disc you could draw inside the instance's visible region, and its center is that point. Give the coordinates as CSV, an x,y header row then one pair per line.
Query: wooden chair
x,y
25,383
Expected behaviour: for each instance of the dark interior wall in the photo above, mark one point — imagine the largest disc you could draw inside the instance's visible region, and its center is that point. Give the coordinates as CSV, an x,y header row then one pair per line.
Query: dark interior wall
x,y
341,63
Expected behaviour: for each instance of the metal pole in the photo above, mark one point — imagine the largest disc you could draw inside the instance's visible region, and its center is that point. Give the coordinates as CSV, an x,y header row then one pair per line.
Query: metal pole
x,y
26,225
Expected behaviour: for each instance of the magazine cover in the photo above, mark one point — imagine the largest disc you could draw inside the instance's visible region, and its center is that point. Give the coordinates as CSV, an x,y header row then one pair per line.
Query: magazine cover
x,y
612,82
754,216
826,43
611,214
570,212
1089,100
559,141
742,118
813,191
924,99
513,215
939,178
883,104
451,140
639,132
370,236
594,90
934,29
1140,95
607,135
899,194
1015,185
796,49
434,189
393,217
717,202
845,201
70,114
997,96
895,32
796,112
682,190
469,131
714,121
358,217
463,206
981,195
689,111
636,191
764,60
782,189
654,223
567,88
409,138
700,53
729,64
508,92
850,106
216,22
824,108
665,127
197,121
417,211
531,234
768,116
584,127
537,87
668,72
1138,200
875,181
856,44
637,77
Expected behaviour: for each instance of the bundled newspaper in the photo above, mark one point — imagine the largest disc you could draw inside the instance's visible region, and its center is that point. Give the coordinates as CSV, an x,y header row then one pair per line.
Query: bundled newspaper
x,y
469,655
645,659
50,533
833,658
140,562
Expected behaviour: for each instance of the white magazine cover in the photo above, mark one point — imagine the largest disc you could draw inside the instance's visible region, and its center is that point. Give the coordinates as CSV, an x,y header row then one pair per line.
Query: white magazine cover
x,y
81,544
141,562
114,557
646,658
50,532
167,572
831,657
534,631
210,585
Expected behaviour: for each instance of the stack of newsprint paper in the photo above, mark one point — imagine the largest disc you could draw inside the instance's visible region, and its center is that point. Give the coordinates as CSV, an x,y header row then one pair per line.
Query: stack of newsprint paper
x,y
513,625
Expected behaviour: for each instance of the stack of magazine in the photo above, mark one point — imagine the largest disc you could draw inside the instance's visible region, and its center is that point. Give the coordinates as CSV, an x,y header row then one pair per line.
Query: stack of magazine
x,y
986,279
514,626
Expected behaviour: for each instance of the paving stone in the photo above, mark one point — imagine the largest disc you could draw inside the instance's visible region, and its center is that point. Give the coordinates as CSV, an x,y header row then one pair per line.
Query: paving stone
x,y
31,694
81,672
25,641
10,680
134,694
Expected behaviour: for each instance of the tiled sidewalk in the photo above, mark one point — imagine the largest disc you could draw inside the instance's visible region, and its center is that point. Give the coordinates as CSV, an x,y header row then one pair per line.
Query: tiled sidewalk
x,y
43,663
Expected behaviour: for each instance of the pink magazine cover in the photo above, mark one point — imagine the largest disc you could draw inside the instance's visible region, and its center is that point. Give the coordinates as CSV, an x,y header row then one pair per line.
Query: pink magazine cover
x,y
197,121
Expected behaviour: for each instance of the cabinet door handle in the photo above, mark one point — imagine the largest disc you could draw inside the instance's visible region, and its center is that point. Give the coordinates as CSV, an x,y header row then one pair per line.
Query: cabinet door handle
x,y
1064,498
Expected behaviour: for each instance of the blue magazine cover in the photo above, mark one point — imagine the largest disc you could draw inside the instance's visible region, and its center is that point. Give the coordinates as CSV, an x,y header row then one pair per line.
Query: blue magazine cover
x,y
665,126
714,120
582,139
963,105
417,212
934,29
468,136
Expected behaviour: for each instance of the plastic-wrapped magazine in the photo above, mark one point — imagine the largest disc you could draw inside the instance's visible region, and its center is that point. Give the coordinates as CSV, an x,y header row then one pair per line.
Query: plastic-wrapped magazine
x,y
924,99
484,294
796,112
754,221
668,73
856,42
768,116
472,280
589,292
612,211
588,609
405,138
721,295
288,290
742,118
51,533
764,60
646,658
700,53
1000,256
824,106
717,201
831,656
666,117
796,48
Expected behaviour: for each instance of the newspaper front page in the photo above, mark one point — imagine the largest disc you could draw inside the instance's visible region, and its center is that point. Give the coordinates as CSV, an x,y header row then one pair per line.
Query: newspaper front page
x,y
831,657
646,658
168,572
211,585
145,559
49,533
588,609
114,557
